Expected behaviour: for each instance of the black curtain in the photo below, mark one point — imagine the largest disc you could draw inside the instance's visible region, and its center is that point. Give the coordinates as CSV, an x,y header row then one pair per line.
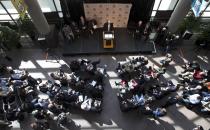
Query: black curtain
x,y
141,10
72,8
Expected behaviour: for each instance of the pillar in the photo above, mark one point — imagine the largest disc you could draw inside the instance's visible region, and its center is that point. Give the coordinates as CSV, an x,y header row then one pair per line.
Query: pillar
x,y
37,16
179,14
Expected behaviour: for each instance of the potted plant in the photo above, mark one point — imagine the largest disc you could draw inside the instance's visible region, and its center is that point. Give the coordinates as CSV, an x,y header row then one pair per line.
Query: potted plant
x,y
9,38
26,26
190,24
11,25
204,35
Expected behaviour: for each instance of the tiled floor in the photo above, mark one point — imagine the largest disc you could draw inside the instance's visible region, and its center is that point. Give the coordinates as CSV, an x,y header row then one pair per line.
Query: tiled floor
x,y
111,118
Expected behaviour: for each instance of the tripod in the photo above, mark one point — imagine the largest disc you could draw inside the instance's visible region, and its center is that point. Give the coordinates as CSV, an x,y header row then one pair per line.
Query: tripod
x,y
49,53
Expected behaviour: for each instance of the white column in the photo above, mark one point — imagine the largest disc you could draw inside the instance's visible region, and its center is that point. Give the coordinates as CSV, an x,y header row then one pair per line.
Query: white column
x,y
37,16
178,14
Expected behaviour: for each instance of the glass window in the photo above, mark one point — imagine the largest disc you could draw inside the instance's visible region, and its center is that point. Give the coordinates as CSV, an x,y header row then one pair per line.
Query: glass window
x,y
208,8
5,17
15,16
203,5
58,5
167,4
2,11
9,6
206,14
3,21
157,2
60,14
47,5
153,13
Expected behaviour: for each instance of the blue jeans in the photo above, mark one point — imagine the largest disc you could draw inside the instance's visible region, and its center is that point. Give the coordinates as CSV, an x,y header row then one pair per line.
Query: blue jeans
x,y
139,99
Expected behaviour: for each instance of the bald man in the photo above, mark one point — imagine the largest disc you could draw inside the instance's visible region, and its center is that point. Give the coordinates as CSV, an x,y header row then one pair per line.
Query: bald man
x,y
108,26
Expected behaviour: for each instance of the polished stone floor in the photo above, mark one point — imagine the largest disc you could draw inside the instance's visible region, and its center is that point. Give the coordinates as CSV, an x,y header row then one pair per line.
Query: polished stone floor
x,y
178,117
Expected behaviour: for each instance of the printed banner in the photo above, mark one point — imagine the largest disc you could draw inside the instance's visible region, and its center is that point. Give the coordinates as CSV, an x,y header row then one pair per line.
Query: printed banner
x,y
20,7
118,14
198,6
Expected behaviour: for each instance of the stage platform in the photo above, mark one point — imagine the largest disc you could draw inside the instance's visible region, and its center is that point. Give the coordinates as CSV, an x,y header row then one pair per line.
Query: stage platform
x,y
93,45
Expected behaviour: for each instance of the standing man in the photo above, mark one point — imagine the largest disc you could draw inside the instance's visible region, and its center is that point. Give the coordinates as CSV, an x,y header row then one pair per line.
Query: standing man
x,y
139,30
147,31
108,26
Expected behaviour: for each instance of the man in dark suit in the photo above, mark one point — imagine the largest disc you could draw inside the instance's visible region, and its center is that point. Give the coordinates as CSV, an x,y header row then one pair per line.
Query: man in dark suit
x,y
139,29
108,26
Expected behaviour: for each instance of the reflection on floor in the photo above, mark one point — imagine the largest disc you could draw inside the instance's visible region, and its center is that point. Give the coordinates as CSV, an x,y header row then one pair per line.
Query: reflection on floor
x,y
111,118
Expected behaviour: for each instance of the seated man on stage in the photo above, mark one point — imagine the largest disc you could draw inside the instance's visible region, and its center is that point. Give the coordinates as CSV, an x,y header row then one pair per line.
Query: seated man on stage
x,y
108,26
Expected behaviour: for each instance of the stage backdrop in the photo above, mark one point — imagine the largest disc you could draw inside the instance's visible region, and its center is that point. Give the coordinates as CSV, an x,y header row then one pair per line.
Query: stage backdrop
x,y
116,13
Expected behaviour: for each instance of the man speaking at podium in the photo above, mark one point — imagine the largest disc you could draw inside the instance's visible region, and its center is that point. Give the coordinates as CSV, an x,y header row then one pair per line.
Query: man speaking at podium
x,y
108,35
108,26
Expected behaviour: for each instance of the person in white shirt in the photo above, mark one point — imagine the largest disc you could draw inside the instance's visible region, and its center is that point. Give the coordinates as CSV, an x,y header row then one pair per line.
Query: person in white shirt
x,y
193,99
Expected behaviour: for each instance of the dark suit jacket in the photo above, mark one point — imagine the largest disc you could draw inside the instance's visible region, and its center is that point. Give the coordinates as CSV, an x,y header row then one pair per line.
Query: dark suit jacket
x,y
106,27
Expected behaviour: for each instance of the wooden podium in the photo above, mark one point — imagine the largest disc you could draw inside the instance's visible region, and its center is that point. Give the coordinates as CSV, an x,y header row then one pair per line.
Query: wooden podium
x,y
108,39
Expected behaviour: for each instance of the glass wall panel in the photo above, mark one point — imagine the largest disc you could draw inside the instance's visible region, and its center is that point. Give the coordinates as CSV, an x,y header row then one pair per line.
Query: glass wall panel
x,y
167,4
208,8
157,2
60,14
2,11
47,5
203,6
153,13
15,16
206,14
9,6
5,17
58,5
